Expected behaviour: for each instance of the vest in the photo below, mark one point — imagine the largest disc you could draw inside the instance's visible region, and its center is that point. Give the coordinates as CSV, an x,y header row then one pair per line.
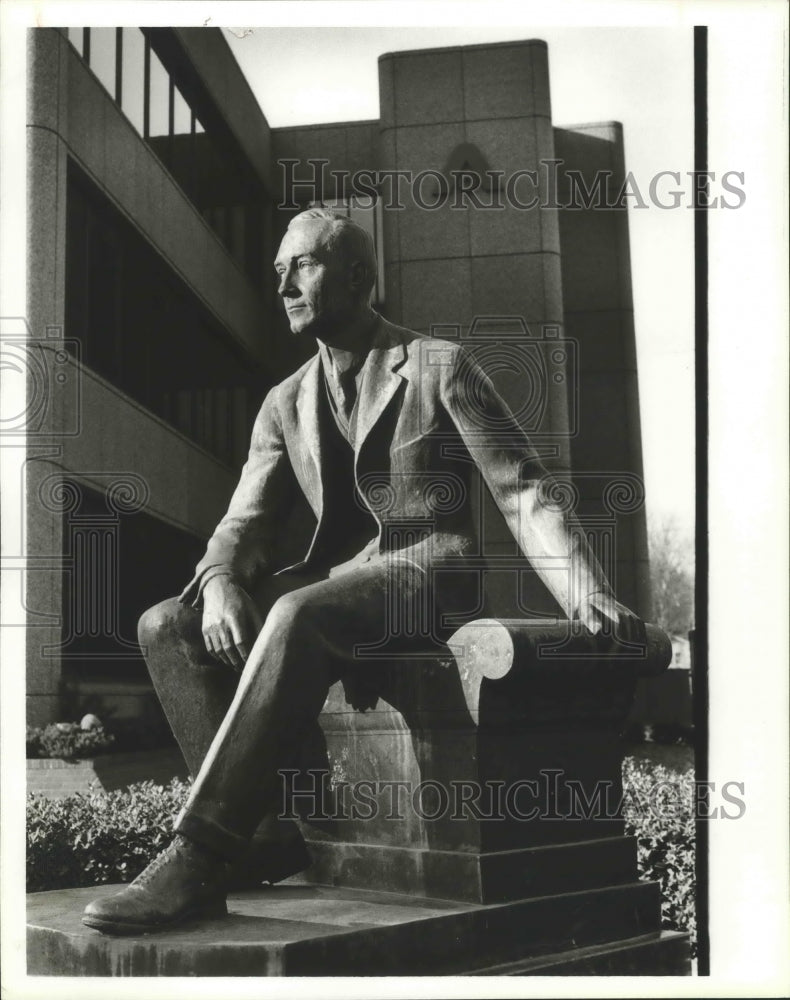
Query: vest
x,y
349,524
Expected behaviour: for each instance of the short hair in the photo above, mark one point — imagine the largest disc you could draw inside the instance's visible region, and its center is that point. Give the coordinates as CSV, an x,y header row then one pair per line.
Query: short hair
x,y
352,241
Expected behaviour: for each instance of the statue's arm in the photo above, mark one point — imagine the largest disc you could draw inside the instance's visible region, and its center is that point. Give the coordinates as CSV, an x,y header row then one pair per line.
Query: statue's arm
x,y
242,543
548,534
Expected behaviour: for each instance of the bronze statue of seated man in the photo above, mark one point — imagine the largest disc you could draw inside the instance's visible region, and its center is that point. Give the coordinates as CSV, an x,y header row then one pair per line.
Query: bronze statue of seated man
x,y
382,432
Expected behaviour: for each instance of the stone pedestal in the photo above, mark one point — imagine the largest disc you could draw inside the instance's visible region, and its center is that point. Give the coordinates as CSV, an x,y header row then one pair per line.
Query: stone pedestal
x,y
487,776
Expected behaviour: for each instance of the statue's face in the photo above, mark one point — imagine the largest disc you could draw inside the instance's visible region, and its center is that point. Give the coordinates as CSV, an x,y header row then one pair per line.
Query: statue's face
x,y
315,283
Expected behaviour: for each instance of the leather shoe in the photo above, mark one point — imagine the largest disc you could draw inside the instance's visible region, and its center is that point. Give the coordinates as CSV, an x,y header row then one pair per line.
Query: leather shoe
x,y
184,882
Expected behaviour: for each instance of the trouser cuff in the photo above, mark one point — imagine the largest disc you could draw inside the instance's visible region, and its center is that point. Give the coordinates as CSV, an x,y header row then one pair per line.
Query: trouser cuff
x,y
208,833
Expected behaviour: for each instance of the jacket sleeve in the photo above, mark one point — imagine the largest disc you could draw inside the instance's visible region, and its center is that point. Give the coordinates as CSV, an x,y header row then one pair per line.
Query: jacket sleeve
x,y
242,543
525,493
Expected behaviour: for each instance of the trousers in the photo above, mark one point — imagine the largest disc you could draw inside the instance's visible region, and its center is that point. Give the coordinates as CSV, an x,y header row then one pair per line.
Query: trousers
x,y
237,731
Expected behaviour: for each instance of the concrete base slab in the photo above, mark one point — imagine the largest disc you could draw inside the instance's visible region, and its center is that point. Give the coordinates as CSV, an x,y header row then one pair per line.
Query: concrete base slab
x,y
295,929
665,954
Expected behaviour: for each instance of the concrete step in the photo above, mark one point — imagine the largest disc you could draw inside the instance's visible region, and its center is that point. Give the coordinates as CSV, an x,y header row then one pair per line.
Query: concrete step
x,y
665,954
489,877
295,929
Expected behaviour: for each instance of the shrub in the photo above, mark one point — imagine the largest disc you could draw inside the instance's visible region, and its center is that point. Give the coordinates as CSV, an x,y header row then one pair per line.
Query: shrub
x,y
67,741
99,837
33,741
659,811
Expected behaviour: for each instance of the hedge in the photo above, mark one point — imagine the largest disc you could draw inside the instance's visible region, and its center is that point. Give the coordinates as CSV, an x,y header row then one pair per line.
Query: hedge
x,y
99,837
658,810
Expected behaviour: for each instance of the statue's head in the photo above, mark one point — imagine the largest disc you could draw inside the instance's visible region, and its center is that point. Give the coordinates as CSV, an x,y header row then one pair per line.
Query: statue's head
x,y
327,269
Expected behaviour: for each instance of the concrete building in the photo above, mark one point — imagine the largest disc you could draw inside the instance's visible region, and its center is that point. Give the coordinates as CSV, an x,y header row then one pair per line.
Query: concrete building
x,y
158,194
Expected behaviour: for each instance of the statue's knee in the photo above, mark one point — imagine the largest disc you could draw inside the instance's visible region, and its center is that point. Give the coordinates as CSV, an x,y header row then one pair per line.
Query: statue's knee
x,y
164,624
290,613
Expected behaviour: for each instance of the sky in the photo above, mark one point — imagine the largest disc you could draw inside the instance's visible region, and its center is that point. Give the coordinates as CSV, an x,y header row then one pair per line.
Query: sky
x,y
642,77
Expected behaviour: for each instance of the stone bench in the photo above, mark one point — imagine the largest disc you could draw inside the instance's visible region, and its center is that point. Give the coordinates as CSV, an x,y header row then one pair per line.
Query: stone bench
x,y
487,775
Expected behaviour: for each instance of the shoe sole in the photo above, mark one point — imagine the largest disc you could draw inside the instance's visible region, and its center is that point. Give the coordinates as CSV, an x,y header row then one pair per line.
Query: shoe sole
x,y
208,911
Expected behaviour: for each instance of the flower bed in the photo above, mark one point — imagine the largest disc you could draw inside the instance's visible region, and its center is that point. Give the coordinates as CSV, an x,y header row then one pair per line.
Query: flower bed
x,y
68,740
64,758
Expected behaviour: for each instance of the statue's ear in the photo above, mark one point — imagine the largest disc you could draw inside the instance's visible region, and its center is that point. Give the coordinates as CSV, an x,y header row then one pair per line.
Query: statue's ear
x,y
358,275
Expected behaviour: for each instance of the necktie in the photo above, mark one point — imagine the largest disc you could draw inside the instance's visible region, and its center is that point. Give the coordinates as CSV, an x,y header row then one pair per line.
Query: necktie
x,y
347,391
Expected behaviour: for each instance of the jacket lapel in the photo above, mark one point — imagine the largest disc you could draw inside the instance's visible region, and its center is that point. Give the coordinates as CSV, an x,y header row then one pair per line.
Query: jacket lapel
x,y
310,434
380,379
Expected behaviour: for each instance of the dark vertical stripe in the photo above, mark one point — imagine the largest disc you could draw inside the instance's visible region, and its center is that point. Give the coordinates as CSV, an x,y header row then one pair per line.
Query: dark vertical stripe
x,y
92,570
118,64
147,90
110,584
86,45
700,638
77,623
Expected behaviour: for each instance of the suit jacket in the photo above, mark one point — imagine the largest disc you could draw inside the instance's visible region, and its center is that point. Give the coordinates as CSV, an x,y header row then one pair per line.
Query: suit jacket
x,y
427,419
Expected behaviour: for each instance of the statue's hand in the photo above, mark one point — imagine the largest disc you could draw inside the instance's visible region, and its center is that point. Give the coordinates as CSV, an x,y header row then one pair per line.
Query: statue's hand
x,y
600,612
360,691
231,621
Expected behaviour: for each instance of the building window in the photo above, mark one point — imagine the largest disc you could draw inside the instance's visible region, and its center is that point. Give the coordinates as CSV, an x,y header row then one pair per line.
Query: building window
x,y
370,218
77,39
133,77
146,333
182,113
143,76
158,102
102,56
